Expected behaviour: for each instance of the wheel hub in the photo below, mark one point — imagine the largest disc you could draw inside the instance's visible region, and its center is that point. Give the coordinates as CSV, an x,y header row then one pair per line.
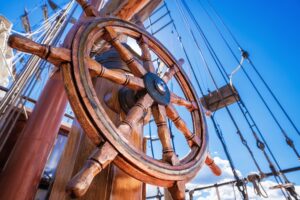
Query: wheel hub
x,y
160,86
157,88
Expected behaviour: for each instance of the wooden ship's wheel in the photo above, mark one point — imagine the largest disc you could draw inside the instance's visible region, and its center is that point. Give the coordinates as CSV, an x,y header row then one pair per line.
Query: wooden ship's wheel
x,y
75,59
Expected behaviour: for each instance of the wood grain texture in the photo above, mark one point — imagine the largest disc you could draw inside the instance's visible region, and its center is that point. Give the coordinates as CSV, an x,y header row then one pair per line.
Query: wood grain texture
x,y
132,161
159,114
170,73
98,160
135,67
65,167
101,122
190,105
124,9
88,8
181,125
54,55
220,98
135,114
177,191
144,13
209,161
117,76
146,56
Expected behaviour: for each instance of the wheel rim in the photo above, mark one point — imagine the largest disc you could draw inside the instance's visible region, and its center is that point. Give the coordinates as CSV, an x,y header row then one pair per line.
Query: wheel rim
x,y
94,119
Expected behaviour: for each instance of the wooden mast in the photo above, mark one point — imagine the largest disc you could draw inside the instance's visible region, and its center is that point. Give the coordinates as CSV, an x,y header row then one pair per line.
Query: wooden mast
x,y
21,176
117,183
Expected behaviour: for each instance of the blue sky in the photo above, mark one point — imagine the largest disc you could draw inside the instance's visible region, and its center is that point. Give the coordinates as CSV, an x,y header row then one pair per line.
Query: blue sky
x,y
269,31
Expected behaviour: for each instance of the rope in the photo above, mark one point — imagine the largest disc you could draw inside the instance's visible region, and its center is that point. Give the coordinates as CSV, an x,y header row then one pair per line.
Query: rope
x,y
159,70
215,84
257,187
184,50
275,98
12,96
242,105
219,134
241,189
235,71
256,71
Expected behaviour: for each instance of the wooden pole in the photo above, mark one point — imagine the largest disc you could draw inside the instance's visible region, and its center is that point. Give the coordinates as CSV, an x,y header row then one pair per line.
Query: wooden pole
x,y
20,178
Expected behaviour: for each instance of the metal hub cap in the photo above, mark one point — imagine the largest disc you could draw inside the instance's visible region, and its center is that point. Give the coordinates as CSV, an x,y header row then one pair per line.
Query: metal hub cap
x,y
157,88
160,86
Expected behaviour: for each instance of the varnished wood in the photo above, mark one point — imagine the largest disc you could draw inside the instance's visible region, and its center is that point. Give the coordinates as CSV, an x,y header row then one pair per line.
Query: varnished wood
x,y
135,114
190,105
94,118
181,125
66,165
146,56
130,6
88,8
99,159
177,191
147,10
170,73
52,54
209,161
58,55
144,191
159,114
125,54
119,77
154,175
220,98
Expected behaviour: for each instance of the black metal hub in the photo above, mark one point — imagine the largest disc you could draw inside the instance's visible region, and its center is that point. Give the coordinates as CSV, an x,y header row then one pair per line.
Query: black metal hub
x,y
157,88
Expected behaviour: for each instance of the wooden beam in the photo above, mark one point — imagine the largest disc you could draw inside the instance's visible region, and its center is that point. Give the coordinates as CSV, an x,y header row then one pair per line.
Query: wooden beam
x,y
217,100
144,13
126,9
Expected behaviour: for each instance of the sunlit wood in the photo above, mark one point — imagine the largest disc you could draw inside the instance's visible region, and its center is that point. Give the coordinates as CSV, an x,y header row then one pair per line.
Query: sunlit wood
x,y
146,56
136,113
159,114
209,161
53,55
181,125
88,9
170,73
135,67
99,159
190,105
119,77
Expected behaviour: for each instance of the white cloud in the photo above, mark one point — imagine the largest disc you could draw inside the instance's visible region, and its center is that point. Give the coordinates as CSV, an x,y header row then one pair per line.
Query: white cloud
x,y
228,192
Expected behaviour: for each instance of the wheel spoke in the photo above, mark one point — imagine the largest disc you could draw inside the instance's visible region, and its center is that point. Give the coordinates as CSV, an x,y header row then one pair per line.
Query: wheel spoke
x,y
89,9
159,114
190,105
136,113
181,125
53,55
146,56
112,37
132,82
169,74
